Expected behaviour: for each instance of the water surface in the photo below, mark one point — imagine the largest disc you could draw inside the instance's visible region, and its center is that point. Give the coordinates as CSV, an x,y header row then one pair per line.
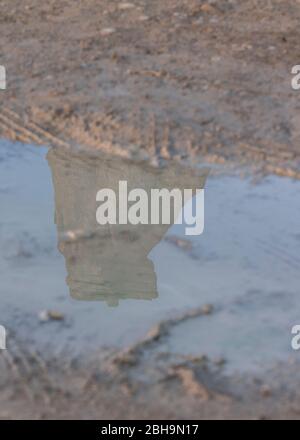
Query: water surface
x,y
246,264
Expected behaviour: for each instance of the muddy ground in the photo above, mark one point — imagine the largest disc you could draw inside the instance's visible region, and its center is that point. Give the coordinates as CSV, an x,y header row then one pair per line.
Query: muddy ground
x,y
158,79
191,80
132,384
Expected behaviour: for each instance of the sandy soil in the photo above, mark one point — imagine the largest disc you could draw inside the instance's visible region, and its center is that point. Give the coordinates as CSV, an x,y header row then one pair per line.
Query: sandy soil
x,y
136,384
190,80
195,79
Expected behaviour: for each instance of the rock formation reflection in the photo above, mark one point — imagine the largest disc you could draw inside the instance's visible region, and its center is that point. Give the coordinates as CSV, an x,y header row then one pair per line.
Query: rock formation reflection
x,y
108,262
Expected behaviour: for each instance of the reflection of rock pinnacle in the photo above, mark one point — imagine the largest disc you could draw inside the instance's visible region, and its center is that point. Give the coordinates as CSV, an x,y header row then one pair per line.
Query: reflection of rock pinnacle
x,y
107,262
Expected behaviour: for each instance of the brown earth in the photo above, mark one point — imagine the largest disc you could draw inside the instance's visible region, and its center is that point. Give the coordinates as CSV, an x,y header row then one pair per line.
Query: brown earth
x,y
187,79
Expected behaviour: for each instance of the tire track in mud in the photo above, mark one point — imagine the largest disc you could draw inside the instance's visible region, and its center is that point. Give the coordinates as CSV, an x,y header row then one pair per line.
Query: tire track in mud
x,y
280,252
132,354
186,369
30,373
27,132
24,130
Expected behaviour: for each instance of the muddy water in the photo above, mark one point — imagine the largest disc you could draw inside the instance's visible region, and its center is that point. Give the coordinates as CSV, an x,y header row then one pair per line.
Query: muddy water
x,y
246,264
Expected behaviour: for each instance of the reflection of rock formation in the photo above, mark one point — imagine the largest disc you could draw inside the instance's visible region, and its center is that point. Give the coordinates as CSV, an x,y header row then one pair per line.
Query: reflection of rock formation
x,y
107,262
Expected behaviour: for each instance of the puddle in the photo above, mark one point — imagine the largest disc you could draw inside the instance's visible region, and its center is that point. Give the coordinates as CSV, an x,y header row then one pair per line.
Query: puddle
x,y
246,264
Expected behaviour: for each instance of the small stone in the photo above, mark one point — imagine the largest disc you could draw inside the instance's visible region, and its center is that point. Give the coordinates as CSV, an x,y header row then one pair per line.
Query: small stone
x,y
107,31
124,6
220,362
206,7
207,309
50,315
265,391
180,242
